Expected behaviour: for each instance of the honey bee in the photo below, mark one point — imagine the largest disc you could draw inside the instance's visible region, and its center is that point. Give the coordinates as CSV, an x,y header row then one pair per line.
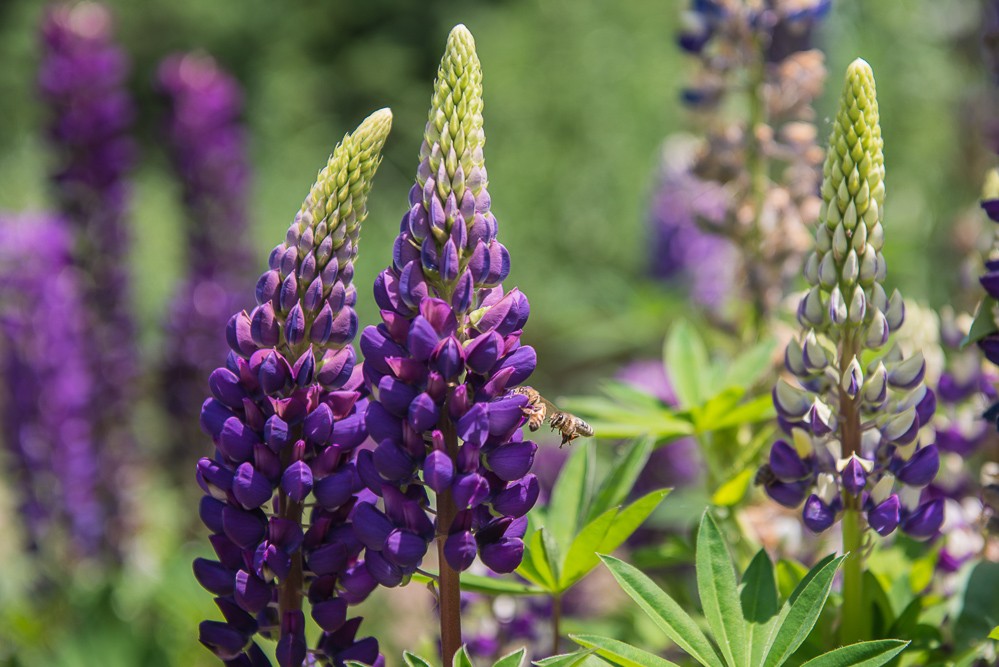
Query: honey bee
x,y
764,475
539,408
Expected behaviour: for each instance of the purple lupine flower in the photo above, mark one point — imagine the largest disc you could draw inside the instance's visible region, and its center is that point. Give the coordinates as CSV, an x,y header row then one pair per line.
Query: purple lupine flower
x,y
207,146
722,218
441,364
682,250
854,430
82,81
48,383
286,418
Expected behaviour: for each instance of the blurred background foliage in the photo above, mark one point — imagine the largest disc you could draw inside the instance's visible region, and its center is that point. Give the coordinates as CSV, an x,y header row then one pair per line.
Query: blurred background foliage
x,y
579,96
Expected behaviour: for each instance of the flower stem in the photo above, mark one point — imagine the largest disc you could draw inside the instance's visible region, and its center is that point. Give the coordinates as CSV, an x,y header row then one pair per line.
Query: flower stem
x,y
556,621
854,624
449,581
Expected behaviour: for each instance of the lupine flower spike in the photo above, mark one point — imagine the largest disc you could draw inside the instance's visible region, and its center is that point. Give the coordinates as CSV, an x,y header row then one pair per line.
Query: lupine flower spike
x,y
441,365
853,427
82,81
48,385
286,415
207,148
719,214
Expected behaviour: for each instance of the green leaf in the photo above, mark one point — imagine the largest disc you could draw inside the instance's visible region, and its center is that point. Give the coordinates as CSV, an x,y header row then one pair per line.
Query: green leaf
x,y
514,659
984,323
664,611
759,604
620,653
790,573
630,518
565,660
995,633
734,490
800,611
758,409
582,556
716,586
746,369
413,660
461,658
624,472
604,535
922,570
476,583
569,497
686,361
534,567
863,654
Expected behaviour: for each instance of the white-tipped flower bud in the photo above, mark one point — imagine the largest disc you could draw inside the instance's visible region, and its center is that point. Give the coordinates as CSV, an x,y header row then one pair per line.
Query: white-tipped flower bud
x,y
837,307
908,373
791,401
877,331
851,268
853,379
868,266
895,313
858,305
828,274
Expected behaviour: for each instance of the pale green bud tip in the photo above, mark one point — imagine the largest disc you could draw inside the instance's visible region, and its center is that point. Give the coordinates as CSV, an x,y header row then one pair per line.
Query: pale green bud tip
x,y
990,189
375,129
337,200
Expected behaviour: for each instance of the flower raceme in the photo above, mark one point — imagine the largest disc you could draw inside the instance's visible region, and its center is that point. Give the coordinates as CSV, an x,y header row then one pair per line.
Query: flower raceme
x,y
208,153
442,362
855,440
286,416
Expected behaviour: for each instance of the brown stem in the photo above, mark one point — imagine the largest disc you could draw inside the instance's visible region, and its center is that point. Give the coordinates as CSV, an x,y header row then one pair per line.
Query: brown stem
x,y
449,581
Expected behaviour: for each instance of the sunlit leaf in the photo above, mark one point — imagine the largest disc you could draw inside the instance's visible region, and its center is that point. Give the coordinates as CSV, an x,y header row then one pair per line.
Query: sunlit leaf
x,y
476,583
605,534
719,593
733,491
800,611
863,654
746,369
413,660
620,653
686,361
565,660
616,486
664,611
461,658
570,496
514,659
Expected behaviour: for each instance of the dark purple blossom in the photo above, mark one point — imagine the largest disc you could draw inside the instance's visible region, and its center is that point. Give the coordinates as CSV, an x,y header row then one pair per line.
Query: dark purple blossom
x,y
286,419
442,362
207,146
48,384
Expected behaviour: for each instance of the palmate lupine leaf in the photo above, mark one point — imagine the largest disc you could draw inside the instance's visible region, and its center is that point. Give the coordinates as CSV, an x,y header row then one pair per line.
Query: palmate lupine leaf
x,y
563,549
862,654
749,627
717,588
664,611
581,658
620,653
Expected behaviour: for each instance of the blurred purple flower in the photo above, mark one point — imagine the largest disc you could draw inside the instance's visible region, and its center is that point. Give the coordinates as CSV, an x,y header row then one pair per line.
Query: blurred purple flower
x,y
82,81
48,384
207,147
